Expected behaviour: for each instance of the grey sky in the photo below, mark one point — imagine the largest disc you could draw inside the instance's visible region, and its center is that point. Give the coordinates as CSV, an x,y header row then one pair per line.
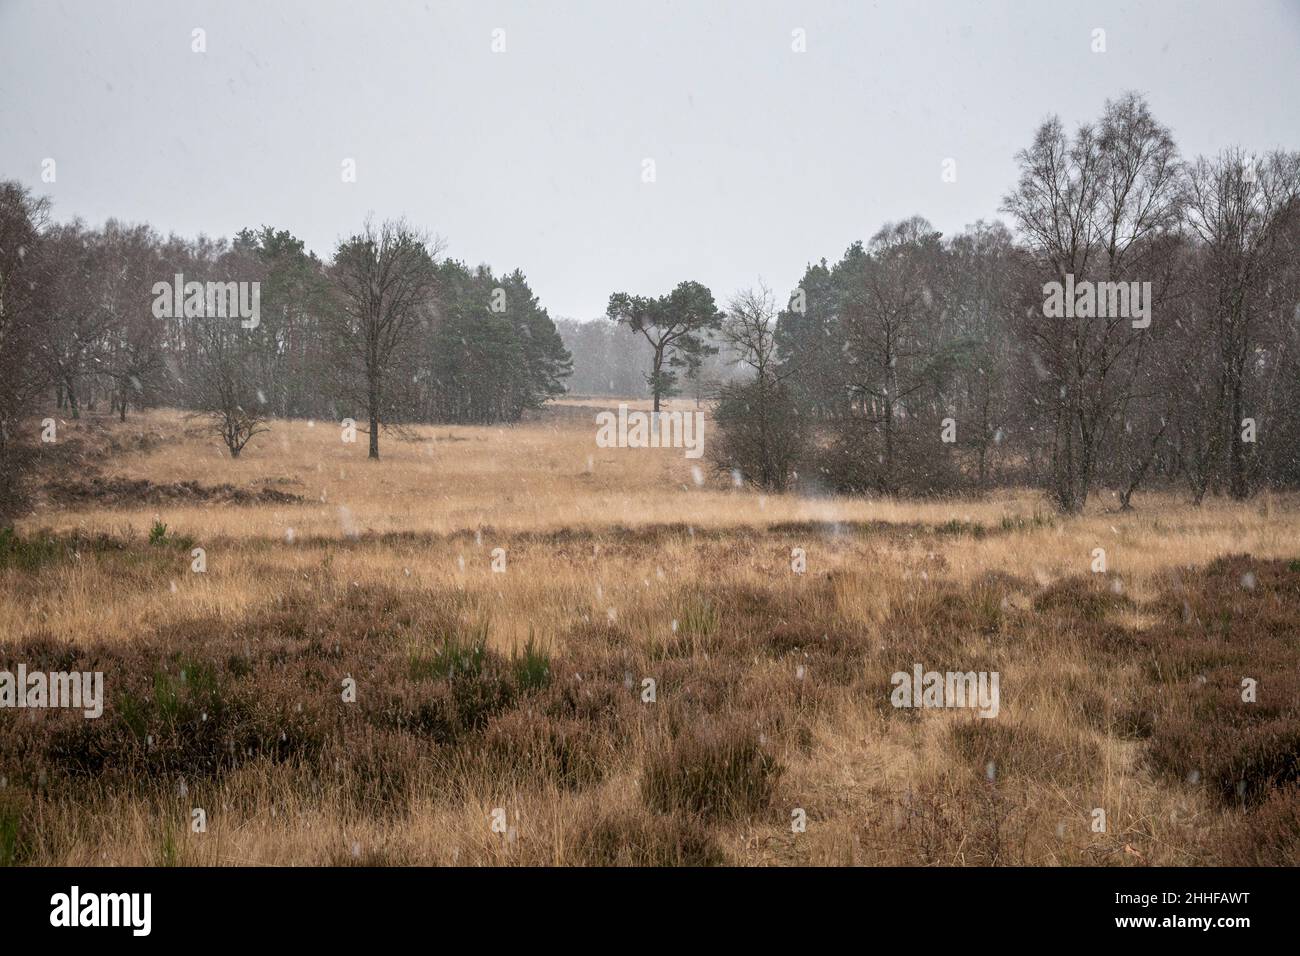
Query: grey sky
x,y
766,159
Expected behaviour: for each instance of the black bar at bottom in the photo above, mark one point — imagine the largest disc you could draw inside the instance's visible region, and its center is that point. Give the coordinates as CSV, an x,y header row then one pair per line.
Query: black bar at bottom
x,y
330,905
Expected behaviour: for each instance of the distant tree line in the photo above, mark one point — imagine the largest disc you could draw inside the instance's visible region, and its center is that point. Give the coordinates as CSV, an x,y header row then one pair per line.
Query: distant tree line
x,y
386,332
612,360
606,360
922,364
1139,323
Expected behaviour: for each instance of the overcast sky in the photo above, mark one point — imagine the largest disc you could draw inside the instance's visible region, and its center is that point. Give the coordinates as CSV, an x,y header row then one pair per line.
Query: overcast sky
x,y
765,158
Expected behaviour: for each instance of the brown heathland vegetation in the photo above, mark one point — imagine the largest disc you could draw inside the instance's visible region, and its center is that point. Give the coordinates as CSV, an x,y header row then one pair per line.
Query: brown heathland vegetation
x,y
522,689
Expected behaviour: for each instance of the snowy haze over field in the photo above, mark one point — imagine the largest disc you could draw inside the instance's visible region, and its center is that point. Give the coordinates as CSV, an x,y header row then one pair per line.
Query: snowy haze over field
x,y
764,157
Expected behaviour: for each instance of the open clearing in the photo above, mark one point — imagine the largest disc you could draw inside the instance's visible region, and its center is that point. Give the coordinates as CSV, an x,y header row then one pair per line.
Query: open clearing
x,y
522,690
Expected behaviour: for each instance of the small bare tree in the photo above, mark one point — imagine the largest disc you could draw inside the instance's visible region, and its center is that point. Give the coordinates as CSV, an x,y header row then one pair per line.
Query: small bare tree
x,y
760,434
226,392
750,329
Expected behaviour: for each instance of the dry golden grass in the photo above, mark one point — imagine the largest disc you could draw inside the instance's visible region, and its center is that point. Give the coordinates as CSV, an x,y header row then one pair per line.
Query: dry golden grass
x,y
625,564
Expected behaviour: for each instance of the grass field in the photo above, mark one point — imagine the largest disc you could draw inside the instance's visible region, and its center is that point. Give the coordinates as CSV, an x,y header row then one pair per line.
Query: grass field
x,y
500,715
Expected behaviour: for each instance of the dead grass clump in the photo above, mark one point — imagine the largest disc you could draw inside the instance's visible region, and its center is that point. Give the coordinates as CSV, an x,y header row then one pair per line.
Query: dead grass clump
x,y
370,856
598,634
446,712
637,838
531,748
835,652
698,618
997,749
375,772
1082,599
1107,713
1236,598
1240,759
352,616
1229,624
183,718
941,624
715,774
16,827
695,689
948,822
32,552
1269,835
595,700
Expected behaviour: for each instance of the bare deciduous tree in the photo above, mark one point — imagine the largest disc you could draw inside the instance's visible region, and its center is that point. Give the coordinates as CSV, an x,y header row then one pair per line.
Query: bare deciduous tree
x,y
1091,207
1237,207
131,356
226,389
386,279
760,435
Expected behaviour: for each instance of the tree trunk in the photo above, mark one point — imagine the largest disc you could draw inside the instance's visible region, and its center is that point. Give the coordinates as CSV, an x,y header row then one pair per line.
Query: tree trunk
x,y
1237,450
889,447
374,427
659,364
